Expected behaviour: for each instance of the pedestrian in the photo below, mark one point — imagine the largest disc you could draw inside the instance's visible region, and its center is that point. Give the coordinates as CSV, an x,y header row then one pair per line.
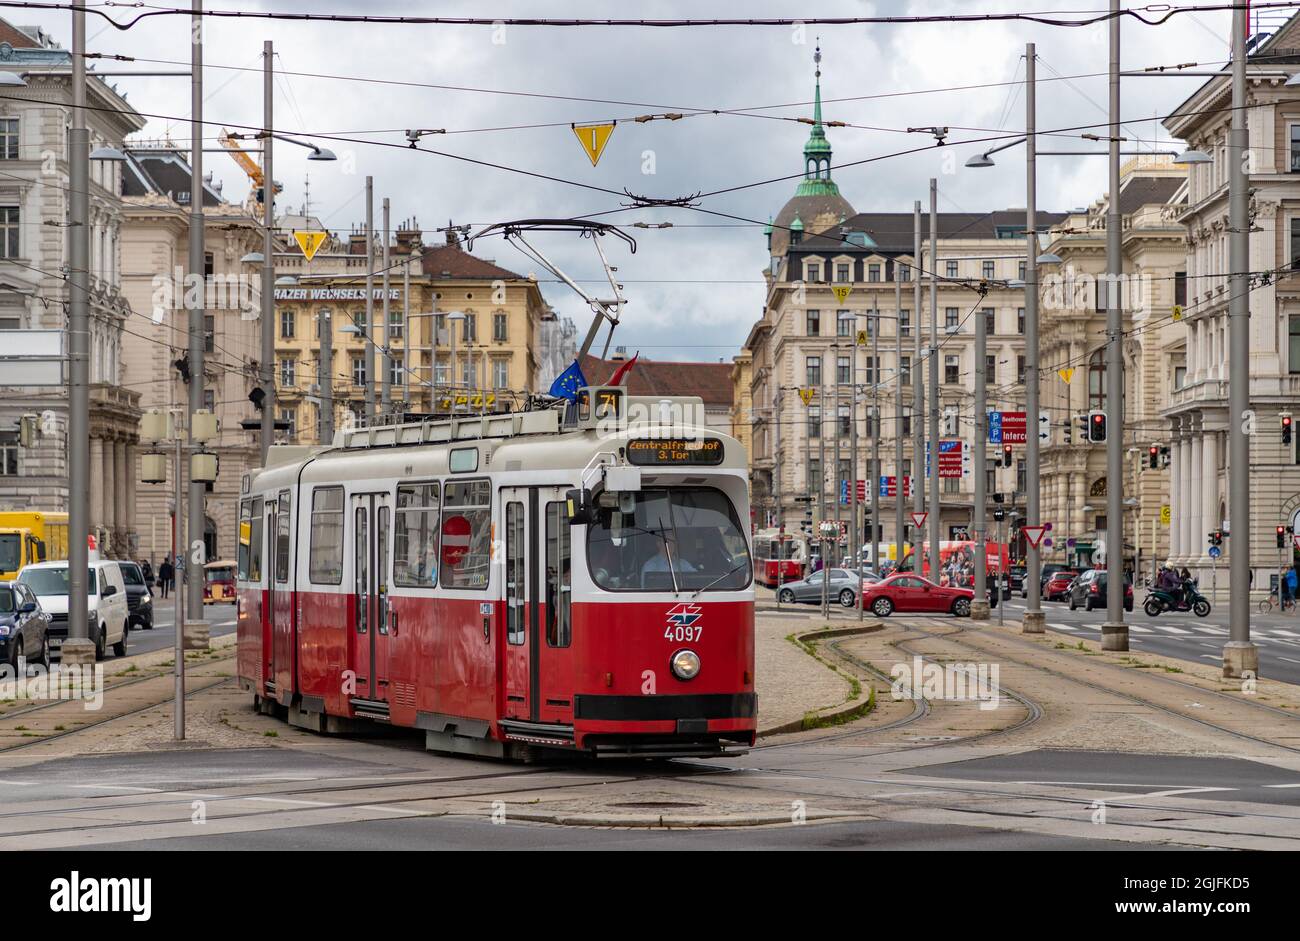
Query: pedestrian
x,y
165,576
1289,586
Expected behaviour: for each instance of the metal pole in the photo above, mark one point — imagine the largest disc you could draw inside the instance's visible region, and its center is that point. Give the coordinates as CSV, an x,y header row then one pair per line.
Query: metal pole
x,y
178,667
371,358
835,424
1114,633
78,648
855,543
821,486
899,525
386,394
451,357
268,254
198,271
934,380
1033,621
408,361
918,394
1239,654
875,435
980,606
326,376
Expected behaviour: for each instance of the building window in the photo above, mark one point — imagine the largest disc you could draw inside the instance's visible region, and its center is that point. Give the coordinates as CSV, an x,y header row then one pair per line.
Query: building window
x,y
9,226
990,370
287,373
1020,321
907,424
209,264
842,274
845,424
288,324
442,374
359,320
1020,476
9,454
990,322
815,479
210,399
814,323
1295,148
1097,380
813,370
1180,288
844,321
499,322
396,325
951,268
1293,336
471,328
1020,370
209,332
873,273
1180,376
812,272
905,322
951,485
904,271
1022,269
500,373
987,270
951,370
872,366
395,370
843,371
290,415
905,370
8,138
358,370
907,471
844,472
990,480
814,422
951,318
1295,243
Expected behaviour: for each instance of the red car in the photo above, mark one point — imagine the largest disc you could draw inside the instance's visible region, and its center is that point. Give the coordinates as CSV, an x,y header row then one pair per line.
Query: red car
x,y
1058,586
907,593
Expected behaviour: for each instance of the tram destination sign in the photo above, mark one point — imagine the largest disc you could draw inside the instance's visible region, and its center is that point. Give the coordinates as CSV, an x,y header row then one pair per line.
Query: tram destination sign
x,y
646,451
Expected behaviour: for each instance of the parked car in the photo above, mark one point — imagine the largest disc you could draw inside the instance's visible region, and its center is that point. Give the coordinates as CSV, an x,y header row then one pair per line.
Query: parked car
x,y
109,615
24,626
139,600
1057,586
1089,591
842,588
908,593
1046,572
1017,575
219,582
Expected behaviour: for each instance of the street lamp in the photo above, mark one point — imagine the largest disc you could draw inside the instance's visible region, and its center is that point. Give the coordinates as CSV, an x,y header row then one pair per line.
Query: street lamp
x,y
1189,156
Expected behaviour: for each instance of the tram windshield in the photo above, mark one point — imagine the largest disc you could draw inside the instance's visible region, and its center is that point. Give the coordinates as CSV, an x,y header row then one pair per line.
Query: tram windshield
x,y
684,539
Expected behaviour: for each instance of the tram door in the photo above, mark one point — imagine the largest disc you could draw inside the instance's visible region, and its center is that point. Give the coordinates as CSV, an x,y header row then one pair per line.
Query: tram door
x,y
371,620
538,621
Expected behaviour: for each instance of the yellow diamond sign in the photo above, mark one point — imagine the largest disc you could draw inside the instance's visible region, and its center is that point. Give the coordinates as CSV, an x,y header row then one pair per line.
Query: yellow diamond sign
x,y
593,138
807,394
309,242
1067,374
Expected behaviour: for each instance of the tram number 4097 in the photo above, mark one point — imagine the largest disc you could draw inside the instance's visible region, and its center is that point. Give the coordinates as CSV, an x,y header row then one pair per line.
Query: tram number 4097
x,y
683,633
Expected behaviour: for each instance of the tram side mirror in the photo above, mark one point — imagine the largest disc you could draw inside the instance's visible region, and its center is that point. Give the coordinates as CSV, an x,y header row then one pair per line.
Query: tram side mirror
x,y
580,506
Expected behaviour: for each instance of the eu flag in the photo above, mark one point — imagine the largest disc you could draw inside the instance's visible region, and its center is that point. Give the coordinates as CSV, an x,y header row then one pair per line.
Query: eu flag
x,y
567,384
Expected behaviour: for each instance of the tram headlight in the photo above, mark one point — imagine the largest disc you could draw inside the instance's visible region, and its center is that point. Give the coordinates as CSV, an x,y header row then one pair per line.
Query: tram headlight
x,y
686,664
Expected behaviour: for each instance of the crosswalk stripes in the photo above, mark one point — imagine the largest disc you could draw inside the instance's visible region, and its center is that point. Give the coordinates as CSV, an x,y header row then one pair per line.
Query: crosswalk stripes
x,y
1062,627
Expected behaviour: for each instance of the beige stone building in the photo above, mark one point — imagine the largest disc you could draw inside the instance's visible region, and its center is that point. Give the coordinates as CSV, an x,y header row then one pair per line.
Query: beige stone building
x,y
742,400
155,255
1073,338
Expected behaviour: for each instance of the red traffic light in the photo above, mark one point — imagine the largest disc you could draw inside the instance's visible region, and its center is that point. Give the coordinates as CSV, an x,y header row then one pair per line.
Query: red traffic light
x,y
1286,420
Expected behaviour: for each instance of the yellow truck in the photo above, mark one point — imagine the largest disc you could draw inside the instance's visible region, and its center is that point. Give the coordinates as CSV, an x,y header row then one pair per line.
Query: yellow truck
x,y
31,536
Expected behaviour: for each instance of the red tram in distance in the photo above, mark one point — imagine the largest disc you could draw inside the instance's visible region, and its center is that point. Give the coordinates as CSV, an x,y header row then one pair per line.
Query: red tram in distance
x,y
779,557
566,578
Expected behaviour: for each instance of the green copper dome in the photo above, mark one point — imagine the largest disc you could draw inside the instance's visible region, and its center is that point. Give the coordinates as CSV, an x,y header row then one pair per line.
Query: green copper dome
x,y
817,152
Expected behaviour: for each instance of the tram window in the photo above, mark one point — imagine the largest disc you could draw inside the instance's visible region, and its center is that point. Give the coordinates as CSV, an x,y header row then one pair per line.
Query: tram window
x,y
325,562
282,539
255,541
515,627
415,536
463,460
559,577
466,534
683,539
245,531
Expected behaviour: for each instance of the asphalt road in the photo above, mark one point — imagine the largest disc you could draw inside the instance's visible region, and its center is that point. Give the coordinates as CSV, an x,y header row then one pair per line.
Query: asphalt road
x,y
221,618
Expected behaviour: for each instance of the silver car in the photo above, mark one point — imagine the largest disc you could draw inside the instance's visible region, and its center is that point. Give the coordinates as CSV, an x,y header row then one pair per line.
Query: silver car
x,y
842,588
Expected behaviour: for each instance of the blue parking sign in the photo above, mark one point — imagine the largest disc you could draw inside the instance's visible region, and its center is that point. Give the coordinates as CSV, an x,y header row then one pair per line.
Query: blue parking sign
x,y
995,427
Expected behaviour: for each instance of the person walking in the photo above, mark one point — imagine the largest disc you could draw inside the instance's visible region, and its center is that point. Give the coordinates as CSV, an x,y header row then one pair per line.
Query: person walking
x,y
165,576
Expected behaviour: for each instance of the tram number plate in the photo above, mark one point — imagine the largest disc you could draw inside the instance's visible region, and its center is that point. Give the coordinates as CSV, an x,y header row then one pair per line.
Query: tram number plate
x,y
682,635
674,451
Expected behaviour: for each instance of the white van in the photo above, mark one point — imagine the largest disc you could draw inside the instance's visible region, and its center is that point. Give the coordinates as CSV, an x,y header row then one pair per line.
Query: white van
x,y
106,603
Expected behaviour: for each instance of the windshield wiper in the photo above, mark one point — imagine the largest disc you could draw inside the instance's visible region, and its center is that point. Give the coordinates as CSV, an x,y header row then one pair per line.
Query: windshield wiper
x,y
720,578
672,568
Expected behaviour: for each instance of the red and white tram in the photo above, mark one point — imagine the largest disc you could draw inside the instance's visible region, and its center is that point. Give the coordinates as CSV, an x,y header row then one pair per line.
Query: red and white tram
x,y
507,582
779,557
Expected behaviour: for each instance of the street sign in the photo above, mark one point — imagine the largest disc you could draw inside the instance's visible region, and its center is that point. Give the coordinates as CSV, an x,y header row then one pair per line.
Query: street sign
x,y
309,242
950,464
1166,514
1013,428
593,138
1033,535
995,427
918,520
807,394
1178,312
1067,374
31,357
1044,426
1215,552
889,486
845,493
842,292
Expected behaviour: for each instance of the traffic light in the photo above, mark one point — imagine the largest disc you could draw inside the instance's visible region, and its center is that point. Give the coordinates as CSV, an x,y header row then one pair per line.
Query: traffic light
x,y
1286,428
1006,455
1153,454
1281,536
1216,537
1096,426
1083,427
1164,457
1069,433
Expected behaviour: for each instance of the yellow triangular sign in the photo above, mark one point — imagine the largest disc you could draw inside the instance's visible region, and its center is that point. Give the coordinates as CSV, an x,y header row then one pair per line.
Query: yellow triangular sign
x,y
842,292
593,138
309,242
1067,373
807,394
862,338
1178,312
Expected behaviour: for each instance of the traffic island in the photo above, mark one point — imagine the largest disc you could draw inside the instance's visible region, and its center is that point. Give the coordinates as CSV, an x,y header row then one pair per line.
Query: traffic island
x,y
979,610
77,652
1033,622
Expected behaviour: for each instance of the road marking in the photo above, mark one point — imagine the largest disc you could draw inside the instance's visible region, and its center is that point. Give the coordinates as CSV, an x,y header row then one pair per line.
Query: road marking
x,y
1289,660
19,783
392,810
1139,630
1209,630
1184,790
1061,627
1278,630
1172,630
1282,785
1210,656
115,787
285,800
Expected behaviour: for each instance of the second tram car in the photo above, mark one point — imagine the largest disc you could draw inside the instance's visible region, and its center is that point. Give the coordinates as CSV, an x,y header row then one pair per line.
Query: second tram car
x,y
779,557
571,579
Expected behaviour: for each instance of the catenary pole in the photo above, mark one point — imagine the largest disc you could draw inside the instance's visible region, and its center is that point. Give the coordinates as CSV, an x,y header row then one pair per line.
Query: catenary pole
x,y
371,357
934,380
979,608
268,253
1033,620
918,393
385,331
900,528
198,490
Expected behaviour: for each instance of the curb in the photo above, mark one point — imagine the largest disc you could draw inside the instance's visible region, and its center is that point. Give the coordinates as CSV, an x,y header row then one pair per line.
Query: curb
x,y
840,711
674,823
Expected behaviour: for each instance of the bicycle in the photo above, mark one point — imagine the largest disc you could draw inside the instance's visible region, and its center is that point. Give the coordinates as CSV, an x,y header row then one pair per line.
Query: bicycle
x,y
1271,604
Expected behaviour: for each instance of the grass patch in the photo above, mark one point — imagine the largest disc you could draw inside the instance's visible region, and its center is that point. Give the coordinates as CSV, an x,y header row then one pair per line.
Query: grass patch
x,y
813,721
271,734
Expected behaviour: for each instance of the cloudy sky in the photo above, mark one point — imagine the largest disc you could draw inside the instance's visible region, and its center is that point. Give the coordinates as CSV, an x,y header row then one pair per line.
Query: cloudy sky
x,y
695,289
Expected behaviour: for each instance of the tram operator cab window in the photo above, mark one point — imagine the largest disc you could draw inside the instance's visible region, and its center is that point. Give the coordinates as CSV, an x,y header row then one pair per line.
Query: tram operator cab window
x,y
683,539
415,536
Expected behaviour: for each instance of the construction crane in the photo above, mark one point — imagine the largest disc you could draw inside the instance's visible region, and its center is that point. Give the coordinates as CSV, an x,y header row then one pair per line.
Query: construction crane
x,y
246,163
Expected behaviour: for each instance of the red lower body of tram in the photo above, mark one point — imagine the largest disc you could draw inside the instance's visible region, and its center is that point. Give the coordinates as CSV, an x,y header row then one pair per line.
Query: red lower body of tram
x,y
448,666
